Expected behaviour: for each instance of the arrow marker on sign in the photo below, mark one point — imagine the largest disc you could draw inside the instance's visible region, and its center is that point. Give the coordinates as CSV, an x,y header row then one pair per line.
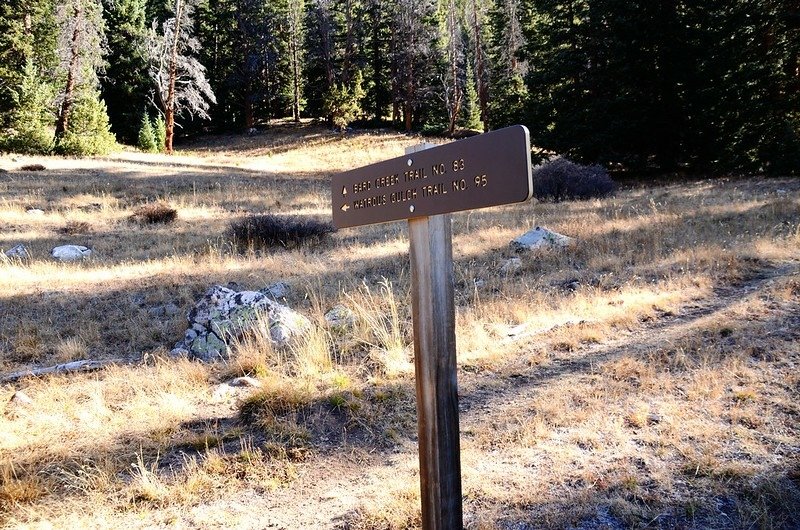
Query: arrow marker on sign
x,y
345,208
344,190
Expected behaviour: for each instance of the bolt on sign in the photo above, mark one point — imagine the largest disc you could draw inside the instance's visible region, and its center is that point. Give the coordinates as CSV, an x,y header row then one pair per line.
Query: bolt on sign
x,y
485,170
424,187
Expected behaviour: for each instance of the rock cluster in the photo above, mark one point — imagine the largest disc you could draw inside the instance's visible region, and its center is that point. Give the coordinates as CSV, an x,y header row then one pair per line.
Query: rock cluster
x,y
223,313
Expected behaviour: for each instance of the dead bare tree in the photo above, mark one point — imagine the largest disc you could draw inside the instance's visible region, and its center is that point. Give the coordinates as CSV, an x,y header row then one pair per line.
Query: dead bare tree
x,y
181,84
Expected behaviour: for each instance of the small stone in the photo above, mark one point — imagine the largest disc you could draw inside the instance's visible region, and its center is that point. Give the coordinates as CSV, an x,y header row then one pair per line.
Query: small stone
x,y
21,399
276,290
222,392
510,266
34,211
179,352
156,312
138,299
479,283
653,418
539,238
18,251
340,317
71,252
250,382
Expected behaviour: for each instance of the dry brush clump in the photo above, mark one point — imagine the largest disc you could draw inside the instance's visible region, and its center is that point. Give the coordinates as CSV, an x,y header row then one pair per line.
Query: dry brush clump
x,y
560,179
154,213
269,231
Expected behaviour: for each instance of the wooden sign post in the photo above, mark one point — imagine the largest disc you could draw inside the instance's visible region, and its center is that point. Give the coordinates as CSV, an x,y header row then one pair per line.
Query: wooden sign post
x,y
424,187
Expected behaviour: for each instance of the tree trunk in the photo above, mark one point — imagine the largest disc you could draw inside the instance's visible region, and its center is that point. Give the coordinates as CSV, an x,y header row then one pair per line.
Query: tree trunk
x,y
295,76
62,125
454,100
169,112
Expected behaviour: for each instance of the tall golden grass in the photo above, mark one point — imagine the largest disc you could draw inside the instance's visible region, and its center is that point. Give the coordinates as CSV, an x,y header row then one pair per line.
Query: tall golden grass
x,y
642,377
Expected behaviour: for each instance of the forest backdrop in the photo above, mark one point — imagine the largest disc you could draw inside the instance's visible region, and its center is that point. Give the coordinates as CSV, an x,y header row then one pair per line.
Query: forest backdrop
x,y
643,84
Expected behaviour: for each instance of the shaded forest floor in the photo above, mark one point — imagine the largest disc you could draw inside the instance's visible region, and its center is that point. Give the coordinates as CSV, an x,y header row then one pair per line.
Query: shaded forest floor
x,y
646,377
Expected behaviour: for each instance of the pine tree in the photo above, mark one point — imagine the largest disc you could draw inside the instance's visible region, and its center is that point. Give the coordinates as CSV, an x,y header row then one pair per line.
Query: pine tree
x,y
89,132
471,116
81,48
125,86
30,122
146,140
27,58
507,92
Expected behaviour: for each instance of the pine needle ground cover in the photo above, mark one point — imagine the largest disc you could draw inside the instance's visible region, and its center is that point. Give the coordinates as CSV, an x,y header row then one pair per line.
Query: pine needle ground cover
x,y
645,377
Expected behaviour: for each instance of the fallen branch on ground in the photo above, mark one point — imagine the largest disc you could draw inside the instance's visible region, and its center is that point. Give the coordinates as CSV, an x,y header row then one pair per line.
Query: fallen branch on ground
x,y
74,366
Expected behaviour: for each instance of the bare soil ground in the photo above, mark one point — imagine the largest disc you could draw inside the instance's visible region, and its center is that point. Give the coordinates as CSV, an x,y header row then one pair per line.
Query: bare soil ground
x,y
646,377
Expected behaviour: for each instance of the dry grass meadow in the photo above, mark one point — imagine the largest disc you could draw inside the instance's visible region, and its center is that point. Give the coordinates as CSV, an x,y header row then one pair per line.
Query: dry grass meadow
x,y
646,377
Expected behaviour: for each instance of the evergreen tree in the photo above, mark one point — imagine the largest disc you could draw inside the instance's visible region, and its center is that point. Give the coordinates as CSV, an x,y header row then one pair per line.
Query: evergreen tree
x,y
30,121
89,132
81,47
471,117
27,59
377,64
217,33
125,86
414,72
320,68
507,95
146,140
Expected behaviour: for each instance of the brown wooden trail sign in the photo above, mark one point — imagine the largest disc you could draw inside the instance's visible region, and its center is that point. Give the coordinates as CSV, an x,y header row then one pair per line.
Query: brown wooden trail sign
x,y
486,170
424,187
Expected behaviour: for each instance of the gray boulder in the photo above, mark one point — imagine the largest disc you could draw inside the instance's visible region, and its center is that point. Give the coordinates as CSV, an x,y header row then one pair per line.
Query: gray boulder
x,y
18,251
540,238
71,252
222,314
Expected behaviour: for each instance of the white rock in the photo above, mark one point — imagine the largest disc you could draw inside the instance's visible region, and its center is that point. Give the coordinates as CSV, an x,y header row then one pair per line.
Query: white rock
x,y
21,399
18,251
251,382
540,238
35,211
71,252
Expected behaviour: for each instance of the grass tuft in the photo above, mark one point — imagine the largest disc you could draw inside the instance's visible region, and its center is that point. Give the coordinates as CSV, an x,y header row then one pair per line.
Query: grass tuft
x,y
154,213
